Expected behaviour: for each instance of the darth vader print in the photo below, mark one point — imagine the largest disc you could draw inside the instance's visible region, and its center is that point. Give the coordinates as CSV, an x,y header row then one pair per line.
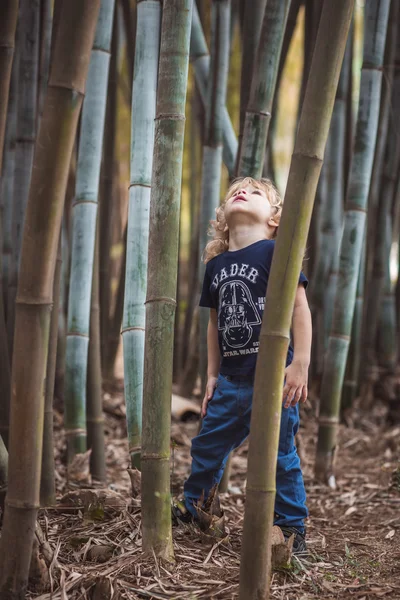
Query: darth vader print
x,y
236,314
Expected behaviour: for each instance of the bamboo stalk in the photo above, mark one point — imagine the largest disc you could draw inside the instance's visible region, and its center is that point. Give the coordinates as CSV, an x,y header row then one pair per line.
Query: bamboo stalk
x,y
376,18
7,178
162,273
212,149
47,481
106,197
253,15
375,266
83,236
114,334
142,139
259,106
52,157
8,25
200,59
28,51
94,418
283,281
350,383
45,28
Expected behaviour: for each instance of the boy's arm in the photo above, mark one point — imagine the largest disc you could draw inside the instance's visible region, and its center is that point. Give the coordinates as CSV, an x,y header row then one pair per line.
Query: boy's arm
x,y
297,373
213,359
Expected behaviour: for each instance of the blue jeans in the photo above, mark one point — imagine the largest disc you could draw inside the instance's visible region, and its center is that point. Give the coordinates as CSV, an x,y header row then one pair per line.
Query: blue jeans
x,y
225,426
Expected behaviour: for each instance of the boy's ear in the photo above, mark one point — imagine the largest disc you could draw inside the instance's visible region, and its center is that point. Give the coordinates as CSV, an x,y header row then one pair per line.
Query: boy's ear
x,y
275,220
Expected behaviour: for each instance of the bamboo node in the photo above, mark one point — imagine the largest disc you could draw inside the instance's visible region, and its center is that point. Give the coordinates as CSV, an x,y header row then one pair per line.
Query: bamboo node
x,y
259,490
70,432
153,456
314,157
355,207
77,334
165,299
125,329
340,336
28,300
95,420
21,504
173,116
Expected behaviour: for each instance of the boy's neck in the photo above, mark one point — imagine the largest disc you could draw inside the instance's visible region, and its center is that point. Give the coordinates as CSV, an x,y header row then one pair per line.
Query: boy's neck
x,y
241,236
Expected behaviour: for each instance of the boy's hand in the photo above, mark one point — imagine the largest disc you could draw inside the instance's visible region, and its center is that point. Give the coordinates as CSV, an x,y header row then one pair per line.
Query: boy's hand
x,y
296,379
210,387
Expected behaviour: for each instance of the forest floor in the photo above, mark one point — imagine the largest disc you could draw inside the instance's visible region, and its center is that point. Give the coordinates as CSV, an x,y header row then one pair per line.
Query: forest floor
x,y
353,531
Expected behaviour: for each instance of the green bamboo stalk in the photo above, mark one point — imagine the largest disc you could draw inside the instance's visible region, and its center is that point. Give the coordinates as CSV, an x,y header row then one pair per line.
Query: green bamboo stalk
x,y
212,149
7,178
114,333
28,42
106,197
42,227
375,264
283,281
130,26
94,418
8,25
200,59
83,236
263,83
142,139
253,15
351,379
323,286
376,18
47,481
45,28
162,275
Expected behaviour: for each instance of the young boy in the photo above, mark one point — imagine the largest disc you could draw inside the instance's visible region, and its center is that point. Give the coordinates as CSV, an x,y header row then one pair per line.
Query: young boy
x,y
235,283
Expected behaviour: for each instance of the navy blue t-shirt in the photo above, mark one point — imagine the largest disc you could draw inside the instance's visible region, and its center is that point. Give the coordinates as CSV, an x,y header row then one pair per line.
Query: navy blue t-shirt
x,y
235,284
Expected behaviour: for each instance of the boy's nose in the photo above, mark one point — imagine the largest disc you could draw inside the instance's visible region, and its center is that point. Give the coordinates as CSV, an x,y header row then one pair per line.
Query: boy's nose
x,y
243,191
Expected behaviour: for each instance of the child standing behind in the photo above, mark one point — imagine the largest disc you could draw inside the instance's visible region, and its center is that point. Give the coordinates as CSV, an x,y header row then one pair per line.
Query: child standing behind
x,y
234,289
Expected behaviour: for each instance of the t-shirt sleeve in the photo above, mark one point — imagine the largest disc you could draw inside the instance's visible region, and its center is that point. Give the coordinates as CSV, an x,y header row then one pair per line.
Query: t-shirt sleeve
x,y
303,280
206,298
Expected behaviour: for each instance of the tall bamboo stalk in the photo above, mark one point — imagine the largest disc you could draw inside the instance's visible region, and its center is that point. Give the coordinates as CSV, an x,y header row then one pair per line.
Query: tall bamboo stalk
x,y
265,72
200,59
7,35
8,25
45,30
28,50
47,481
351,379
253,15
162,275
42,227
114,333
283,281
94,418
376,18
106,197
212,149
142,139
375,268
323,286
84,230
7,178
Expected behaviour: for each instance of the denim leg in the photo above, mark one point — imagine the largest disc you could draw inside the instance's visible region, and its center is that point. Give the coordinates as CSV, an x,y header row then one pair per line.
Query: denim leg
x,y
224,427
290,502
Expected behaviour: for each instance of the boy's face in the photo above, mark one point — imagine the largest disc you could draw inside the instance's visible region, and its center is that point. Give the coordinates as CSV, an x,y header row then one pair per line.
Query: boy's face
x,y
249,204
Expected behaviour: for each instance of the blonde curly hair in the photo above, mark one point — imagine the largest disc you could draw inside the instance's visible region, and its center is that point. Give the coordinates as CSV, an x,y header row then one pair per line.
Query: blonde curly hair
x,y
219,228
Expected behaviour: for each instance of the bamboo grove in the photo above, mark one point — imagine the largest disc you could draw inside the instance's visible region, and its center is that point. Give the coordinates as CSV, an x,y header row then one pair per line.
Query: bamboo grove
x,y
122,124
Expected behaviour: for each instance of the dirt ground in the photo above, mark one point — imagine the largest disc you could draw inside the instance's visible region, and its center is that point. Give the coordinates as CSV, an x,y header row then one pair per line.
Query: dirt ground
x,y
353,531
